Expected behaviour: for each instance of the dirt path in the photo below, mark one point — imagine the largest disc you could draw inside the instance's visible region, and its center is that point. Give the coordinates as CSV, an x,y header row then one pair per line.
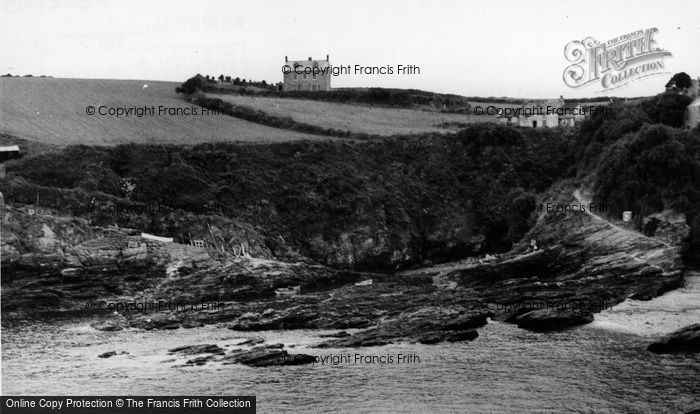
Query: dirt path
x,y
630,233
579,197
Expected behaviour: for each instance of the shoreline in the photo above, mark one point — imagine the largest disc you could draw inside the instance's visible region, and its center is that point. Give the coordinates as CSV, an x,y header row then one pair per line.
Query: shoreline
x,y
582,259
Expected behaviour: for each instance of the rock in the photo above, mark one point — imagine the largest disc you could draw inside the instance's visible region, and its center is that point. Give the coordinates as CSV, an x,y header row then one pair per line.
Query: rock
x,y
201,360
428,325
353,322
683,340
107,354
188,324
435,337
667,225
295,318
551,319
112,353
198,349
253,340
341,334
581,258
109,326
263,356
465,322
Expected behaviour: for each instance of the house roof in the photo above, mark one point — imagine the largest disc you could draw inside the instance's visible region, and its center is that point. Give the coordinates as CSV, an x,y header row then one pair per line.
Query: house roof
x,y
309,63
9,148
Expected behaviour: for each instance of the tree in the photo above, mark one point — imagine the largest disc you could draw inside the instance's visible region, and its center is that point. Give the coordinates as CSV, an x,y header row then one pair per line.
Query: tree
x,y
191,86
667,108
221,78
680,81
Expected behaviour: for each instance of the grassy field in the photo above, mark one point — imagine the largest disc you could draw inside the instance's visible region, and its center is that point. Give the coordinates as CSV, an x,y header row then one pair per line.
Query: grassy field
x,y
355,118
53,111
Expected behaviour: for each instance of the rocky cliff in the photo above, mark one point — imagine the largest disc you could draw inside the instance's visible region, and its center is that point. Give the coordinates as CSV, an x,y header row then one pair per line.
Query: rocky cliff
x,y
583,264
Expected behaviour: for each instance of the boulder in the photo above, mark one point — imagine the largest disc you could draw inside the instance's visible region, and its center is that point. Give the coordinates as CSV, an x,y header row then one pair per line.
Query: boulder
x,y
253,340
198,349
111,354
107,354
544,320
263,356
435,337
683,340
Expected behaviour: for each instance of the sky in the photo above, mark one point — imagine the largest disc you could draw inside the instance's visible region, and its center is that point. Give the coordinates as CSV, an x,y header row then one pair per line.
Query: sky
x,y
484,48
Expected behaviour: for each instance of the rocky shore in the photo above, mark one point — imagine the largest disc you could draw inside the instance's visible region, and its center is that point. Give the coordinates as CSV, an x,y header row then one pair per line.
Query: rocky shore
x,y
683,340
62,266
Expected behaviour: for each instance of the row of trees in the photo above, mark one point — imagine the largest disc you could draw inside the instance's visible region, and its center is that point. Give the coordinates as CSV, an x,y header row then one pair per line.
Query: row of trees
x,y
9,75
240,82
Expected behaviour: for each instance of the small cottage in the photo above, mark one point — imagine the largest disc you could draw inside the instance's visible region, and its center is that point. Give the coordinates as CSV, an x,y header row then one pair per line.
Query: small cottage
x,y
9,152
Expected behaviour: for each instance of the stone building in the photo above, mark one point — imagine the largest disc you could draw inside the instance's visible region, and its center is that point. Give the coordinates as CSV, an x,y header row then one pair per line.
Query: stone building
x,y
534,114
573,114
543,119
307,75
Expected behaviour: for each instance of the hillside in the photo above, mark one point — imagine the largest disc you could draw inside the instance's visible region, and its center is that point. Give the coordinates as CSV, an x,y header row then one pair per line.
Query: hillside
x,y
369,204
357,118
52,111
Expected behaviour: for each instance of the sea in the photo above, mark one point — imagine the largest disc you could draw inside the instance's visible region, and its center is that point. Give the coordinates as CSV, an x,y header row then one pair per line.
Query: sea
x,y
602,367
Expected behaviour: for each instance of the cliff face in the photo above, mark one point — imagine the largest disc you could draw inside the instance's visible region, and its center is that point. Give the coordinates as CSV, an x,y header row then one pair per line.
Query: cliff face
x,y
377,204
53,264
582,260
582,265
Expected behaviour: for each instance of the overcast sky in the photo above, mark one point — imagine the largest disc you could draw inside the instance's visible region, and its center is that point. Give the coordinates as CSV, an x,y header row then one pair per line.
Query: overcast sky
x,y
484,48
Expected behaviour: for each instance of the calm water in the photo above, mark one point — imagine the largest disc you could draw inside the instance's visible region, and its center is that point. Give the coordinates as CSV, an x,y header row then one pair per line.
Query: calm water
x,y
602,367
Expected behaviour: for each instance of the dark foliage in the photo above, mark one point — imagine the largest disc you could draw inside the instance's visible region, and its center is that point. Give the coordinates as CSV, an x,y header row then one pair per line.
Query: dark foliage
x,y
680,81
667,108
643,160
421,188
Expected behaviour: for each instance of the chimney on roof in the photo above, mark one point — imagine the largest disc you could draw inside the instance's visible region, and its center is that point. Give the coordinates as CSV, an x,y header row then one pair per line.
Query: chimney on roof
x,y
285,59
327,60
309,57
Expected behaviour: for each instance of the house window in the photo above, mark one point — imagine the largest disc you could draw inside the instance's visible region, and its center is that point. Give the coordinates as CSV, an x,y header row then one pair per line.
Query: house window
x,y
295,77
305,76
299,87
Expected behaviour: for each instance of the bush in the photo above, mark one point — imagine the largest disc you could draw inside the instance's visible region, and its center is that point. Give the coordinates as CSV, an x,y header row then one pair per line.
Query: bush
x,y
421,189
667,108
192,85
655,168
